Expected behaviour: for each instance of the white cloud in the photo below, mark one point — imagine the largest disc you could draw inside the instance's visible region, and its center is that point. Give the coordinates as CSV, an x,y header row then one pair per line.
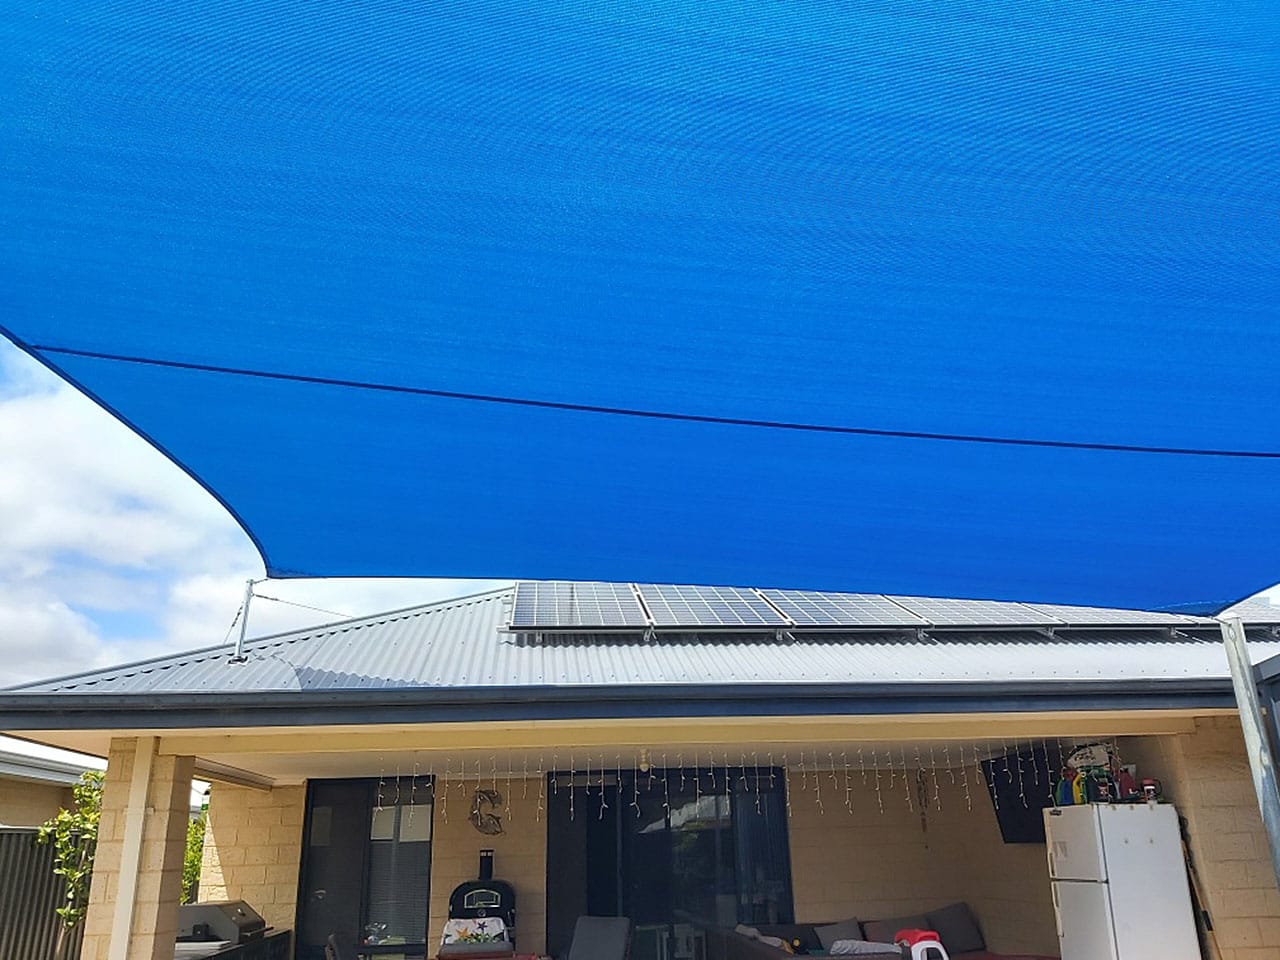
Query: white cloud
x,y
110,553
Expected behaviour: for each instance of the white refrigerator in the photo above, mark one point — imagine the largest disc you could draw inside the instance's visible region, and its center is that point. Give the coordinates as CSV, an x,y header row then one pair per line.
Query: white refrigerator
x,y
1119,882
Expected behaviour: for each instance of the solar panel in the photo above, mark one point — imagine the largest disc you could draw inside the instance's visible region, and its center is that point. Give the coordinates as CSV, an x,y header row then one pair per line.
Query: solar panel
x,y
943,612
815,609
1082,616
562,606
708,607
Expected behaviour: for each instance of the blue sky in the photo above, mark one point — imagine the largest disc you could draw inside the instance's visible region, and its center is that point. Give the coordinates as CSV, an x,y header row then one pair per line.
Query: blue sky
x,y
109,553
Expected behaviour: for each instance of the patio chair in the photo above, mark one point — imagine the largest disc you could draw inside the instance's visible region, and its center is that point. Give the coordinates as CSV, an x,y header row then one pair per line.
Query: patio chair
x,y
601,938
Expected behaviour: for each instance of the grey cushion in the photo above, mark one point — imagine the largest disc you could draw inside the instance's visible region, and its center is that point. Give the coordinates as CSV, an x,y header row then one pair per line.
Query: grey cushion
x,y
806,933
864,948
601,938
850,929
883,930
957,928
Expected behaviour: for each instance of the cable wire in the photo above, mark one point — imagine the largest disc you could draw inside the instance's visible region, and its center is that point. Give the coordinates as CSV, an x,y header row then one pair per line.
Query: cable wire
x,y
656,414
304,606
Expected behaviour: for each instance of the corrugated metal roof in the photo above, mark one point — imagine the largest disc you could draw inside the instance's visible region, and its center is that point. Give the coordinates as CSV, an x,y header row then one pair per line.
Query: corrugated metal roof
x,y
460,644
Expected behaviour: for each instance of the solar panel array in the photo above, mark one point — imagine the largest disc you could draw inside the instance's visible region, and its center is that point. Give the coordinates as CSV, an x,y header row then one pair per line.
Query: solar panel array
x,y
815,609
586,607
559,605
708,607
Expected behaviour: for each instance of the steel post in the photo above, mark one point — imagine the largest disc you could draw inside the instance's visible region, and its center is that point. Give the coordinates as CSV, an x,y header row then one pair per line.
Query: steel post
x,y
1256,742
238,656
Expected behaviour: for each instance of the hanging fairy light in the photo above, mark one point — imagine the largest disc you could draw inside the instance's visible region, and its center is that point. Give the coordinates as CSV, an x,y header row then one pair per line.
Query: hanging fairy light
x,y
444,794
817,785
905,780
413,790
1022,787
875,765
989,784
604,801
666,784
933,774
572,778
507,795
542,782
786,783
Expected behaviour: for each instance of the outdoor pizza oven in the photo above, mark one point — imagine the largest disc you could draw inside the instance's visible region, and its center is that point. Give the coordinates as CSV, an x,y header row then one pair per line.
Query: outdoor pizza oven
x,y
484,897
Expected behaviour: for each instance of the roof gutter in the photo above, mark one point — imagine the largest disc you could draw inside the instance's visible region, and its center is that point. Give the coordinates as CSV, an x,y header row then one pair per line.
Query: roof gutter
x,y
287,708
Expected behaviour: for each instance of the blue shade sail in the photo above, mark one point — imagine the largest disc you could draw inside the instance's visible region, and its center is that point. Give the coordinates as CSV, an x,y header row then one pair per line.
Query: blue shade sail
x,y
929,299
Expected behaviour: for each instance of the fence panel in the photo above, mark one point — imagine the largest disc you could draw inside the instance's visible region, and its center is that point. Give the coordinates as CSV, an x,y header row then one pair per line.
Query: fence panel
x,y
29,893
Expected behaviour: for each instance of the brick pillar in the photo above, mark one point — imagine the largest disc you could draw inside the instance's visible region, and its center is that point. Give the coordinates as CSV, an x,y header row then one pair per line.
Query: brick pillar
x,y
137,871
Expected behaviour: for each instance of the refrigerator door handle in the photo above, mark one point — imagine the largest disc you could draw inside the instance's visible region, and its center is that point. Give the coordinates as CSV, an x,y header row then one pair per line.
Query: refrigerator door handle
x,y
1053,871
1057,912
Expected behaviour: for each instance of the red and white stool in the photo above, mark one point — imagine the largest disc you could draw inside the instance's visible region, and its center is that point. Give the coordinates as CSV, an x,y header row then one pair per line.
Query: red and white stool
x,y
924,944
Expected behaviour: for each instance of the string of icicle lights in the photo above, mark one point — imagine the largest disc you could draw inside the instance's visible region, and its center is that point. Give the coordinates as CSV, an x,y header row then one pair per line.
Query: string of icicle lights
x,y
831,778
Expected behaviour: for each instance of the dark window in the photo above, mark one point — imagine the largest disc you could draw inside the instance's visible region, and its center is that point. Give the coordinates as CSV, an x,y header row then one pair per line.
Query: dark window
x,y
366,868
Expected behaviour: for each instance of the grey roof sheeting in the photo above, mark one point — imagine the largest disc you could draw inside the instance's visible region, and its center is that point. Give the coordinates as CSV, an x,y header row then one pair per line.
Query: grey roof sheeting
x,y
460,645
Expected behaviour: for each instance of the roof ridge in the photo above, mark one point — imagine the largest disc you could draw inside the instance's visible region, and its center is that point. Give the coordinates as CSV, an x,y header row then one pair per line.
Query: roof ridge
x,y
200,654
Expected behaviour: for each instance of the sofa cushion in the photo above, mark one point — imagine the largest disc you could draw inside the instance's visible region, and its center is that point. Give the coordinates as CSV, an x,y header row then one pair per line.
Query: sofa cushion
x,y
957,928
850,929
883,930
866,949
805,933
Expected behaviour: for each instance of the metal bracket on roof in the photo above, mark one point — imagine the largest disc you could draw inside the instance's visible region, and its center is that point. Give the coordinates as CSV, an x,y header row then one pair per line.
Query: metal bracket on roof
x,y
650,634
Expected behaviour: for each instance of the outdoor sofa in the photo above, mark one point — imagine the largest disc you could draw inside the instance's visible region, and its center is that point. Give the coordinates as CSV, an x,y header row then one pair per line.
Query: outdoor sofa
x,y
956,926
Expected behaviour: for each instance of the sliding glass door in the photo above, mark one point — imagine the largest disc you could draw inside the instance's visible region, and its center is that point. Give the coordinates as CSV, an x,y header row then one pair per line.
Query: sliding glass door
x,y
366,868
673,850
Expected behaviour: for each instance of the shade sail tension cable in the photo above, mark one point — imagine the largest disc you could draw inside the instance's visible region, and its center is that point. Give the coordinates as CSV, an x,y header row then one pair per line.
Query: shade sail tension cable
x,y
647,414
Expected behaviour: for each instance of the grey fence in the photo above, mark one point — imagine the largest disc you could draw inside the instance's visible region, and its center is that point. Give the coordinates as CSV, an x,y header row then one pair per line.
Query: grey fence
x,y
29,893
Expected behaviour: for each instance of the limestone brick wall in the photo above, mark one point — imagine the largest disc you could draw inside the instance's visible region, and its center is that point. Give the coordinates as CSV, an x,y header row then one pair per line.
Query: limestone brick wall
x,y
1206,774
253,848
25,803
163,840
520,858
872,864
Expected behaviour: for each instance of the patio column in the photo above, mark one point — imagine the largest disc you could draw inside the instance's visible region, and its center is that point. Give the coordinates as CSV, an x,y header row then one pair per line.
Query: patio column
x,y
137,873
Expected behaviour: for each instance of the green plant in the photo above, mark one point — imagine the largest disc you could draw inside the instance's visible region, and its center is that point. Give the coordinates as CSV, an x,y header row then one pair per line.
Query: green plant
x,y
191,859
74,835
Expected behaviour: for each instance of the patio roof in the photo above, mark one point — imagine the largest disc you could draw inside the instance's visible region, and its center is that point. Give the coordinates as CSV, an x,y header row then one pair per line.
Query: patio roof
x,y
456,660
972,301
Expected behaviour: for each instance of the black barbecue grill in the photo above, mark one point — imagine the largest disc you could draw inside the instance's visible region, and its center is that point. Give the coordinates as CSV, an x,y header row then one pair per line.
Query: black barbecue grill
x,y
231,920
485,897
